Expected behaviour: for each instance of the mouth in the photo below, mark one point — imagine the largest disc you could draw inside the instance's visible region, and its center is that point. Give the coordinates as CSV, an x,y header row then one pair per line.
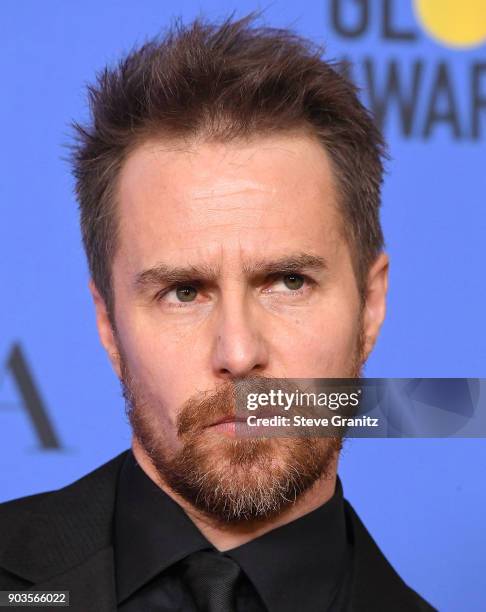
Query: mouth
x,y
226,421
237,424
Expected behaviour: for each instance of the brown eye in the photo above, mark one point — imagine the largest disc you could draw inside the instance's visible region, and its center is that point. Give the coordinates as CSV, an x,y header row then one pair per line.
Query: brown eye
x,y
186,293
293,281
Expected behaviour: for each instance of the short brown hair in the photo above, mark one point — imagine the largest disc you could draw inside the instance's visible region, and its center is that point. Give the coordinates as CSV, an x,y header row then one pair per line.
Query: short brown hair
x,y
225,81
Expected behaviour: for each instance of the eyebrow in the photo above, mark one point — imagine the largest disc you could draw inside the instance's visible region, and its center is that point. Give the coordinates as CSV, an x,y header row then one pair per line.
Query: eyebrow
x,y
163,274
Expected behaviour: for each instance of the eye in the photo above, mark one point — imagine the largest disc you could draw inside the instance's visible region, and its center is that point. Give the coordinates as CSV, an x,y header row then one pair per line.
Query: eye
x,y
178,295
186,293
293,281
290,285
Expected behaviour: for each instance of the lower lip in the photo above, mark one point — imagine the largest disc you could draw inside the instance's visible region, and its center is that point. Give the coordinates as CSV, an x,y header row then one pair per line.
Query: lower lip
x,y
229,427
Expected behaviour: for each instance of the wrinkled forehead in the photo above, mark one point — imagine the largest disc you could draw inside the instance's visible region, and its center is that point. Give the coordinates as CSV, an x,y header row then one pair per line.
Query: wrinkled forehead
x,y
185,199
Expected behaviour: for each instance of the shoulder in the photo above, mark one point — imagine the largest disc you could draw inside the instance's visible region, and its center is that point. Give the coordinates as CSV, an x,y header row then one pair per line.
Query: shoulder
x,y
15,510
81,505
98,477
13,514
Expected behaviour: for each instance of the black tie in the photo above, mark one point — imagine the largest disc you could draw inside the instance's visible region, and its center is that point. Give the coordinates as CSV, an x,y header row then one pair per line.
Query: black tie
x,y
211,578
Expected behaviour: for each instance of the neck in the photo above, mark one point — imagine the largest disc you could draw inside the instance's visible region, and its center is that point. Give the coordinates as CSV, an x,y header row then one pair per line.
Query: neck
x,y
227,536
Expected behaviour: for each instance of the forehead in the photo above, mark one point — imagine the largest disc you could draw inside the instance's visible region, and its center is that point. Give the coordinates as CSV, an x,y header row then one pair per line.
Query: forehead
x,y
177,198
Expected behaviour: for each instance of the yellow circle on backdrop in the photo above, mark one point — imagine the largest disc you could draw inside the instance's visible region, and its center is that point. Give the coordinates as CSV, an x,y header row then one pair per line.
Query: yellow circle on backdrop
x,y
456,23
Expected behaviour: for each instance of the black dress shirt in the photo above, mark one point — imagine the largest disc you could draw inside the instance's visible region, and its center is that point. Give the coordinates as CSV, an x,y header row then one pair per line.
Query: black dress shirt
x,y
304,565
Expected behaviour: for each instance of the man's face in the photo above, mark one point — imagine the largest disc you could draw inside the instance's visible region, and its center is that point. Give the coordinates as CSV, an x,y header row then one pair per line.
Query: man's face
x,y
231,264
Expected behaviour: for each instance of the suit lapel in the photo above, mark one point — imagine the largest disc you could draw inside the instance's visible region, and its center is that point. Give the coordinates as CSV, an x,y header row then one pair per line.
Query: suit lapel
x,y
91,585
375,584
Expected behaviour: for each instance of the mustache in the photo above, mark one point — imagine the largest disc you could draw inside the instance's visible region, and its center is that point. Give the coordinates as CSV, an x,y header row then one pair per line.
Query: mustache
x,y
227,401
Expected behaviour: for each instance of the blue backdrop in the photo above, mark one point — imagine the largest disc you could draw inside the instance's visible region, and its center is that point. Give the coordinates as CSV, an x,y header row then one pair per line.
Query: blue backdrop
x,y
423,500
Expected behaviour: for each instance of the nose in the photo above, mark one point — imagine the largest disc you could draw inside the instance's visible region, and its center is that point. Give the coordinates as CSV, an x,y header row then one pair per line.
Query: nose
x,y
239,346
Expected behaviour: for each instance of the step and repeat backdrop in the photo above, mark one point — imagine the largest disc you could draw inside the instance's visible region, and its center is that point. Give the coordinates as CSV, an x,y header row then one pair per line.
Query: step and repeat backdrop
x,y
421,66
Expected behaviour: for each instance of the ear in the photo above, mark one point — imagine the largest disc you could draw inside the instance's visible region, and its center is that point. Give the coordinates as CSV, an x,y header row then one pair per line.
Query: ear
x,y
375,301
105,330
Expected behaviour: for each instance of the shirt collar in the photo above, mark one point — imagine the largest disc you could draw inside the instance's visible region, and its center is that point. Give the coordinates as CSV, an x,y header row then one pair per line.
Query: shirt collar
x,y
307,555
302,562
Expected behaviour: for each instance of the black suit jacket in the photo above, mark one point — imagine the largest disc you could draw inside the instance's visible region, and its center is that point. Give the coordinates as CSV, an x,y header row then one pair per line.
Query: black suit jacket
x,y
62,540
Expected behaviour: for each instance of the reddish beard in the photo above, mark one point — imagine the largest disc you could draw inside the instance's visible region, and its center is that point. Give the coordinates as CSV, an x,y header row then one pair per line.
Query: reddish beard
x,y
230,479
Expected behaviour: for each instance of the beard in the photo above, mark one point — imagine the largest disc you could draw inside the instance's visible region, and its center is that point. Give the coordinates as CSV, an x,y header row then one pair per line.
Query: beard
x,y
230,480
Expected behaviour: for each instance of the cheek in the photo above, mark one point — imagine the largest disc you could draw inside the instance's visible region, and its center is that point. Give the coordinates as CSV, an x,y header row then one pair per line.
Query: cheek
x,y
323,343
158,365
